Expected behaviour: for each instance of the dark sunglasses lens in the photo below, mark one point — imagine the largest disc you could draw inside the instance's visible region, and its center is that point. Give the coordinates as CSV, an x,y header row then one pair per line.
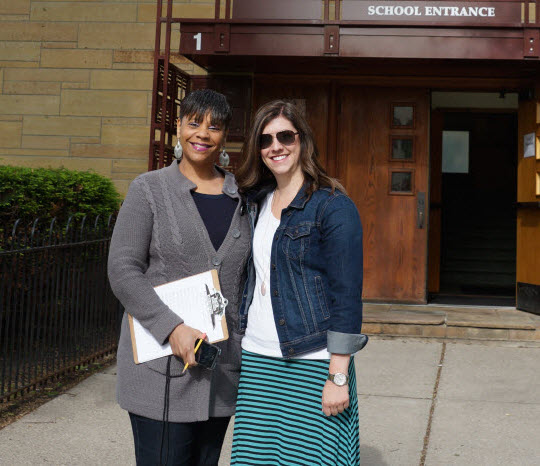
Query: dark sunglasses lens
x,y
286,137
265,141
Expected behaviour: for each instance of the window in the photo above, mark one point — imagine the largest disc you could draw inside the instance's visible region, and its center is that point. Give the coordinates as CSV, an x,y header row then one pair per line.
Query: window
x,y
455,153
402,148
401,181
402,116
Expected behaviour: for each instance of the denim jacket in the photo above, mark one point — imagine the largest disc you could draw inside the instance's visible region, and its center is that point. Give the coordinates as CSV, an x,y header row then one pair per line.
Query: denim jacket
x,y
315,274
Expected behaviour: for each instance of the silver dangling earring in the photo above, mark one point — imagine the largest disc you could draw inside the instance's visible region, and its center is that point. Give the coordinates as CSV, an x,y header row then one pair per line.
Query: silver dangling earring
x,y
178,147
178,151
224,158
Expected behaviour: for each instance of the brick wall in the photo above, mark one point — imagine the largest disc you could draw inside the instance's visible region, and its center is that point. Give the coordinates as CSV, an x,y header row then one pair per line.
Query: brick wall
x,y
76,82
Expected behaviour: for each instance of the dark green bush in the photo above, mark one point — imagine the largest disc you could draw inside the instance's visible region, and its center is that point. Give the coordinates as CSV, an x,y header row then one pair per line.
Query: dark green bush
x,y
28,193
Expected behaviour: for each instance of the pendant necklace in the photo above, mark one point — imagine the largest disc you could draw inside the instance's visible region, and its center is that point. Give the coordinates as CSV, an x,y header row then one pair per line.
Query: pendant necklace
x,y
267,268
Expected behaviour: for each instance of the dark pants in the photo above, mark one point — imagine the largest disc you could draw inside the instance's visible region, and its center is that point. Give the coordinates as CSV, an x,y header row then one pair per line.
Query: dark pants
x,y
187,443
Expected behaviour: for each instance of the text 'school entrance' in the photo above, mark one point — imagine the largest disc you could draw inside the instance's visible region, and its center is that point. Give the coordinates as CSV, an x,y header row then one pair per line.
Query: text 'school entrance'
x,y
375,140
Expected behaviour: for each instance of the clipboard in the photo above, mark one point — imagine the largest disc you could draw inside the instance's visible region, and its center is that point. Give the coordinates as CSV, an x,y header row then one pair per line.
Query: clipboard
x,y
198,300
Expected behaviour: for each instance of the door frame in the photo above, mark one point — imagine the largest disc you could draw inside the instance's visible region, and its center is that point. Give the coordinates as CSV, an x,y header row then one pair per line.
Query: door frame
x,y
435,177
528,222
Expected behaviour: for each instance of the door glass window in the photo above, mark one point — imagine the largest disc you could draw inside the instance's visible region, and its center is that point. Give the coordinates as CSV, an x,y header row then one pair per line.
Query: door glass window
x,y
455,152
402,116
401,182
402,148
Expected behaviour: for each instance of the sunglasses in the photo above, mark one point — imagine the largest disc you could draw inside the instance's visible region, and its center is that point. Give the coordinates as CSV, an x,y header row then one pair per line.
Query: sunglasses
x,y
287,138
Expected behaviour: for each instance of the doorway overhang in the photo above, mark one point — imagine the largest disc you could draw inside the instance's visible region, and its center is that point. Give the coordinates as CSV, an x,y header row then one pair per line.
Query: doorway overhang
x,y
342,37
249,33
464,75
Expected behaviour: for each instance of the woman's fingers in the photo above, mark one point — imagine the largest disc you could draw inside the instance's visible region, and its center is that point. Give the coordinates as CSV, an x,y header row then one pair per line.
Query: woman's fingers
x,y
334,410
335,399
182,340
188,355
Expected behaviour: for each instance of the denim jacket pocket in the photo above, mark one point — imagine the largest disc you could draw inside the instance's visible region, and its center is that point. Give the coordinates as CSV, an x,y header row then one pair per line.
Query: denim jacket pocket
x,y
322,297
296,241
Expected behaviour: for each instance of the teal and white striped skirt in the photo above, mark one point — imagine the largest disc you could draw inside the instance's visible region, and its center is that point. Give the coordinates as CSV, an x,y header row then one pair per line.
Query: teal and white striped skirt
x,y
279,419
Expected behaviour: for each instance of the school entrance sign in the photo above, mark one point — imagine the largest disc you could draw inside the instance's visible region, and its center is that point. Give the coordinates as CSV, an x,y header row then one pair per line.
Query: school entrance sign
x,y
434,13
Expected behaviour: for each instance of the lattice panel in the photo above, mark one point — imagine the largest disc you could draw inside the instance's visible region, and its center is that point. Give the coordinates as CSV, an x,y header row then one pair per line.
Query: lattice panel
x,y
164,126
168,156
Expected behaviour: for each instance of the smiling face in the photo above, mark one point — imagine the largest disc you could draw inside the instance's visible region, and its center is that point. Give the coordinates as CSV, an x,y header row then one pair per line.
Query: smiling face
x,y
282,160
200,141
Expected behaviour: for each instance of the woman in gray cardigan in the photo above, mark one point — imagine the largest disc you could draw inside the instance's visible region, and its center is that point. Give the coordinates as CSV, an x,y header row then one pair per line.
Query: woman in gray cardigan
x,y
176,222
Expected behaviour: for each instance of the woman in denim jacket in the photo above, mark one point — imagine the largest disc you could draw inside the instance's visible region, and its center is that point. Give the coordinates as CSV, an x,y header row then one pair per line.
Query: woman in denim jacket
x,y
302,304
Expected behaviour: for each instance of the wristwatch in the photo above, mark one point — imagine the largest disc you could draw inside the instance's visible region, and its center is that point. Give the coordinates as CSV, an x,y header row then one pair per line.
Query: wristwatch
x,y
339,379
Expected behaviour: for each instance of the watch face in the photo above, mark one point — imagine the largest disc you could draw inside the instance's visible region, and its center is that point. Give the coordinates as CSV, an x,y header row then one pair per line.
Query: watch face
x,y
340,379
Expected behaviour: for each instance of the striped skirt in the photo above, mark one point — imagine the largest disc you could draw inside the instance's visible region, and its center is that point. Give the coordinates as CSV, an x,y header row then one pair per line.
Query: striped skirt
x,y
279,419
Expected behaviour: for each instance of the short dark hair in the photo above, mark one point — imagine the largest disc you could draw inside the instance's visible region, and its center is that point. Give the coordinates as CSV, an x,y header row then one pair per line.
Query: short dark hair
x,y
199,103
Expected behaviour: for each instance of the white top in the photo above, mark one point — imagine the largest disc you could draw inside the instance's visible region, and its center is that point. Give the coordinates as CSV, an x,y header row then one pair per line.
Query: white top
x,y
261,335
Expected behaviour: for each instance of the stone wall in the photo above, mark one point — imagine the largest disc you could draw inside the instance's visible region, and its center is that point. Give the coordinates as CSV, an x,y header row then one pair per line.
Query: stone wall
x,y
76,82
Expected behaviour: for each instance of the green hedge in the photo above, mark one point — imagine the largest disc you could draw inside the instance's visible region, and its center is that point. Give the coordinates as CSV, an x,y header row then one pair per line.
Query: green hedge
x,y
28,193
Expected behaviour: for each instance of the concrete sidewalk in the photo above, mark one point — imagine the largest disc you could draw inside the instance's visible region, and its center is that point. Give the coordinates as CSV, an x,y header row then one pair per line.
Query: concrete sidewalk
x,y
458,403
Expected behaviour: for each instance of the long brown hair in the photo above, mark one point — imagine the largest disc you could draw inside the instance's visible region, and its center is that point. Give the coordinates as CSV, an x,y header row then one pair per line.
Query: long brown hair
x,y
253,174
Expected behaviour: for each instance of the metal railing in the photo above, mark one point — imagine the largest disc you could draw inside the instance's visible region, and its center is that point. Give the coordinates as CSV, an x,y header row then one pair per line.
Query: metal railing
x,y
57,311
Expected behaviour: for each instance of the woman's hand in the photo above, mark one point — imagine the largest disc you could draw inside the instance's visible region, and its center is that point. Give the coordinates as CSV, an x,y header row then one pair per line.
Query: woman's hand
x,y
335,399
182,340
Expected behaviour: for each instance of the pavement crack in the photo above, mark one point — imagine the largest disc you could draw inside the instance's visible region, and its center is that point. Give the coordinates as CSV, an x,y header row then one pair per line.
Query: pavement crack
x,y
395,396
39,422
432,408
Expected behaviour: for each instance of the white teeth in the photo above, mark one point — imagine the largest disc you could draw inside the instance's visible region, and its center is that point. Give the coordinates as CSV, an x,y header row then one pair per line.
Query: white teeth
x,y
279,157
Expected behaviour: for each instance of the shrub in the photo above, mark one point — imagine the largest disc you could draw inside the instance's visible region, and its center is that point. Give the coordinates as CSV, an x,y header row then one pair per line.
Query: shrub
x,y
28,193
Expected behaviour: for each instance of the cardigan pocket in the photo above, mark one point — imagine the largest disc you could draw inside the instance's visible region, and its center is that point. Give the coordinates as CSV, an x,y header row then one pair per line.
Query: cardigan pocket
x,y
160,365
227,371
231,351
231,358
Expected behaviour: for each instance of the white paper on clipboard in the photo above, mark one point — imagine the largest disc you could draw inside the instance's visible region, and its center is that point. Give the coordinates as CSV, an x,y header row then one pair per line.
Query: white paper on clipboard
x,y
198,300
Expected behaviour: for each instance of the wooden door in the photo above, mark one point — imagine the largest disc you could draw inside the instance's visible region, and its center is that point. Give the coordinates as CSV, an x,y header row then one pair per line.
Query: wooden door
x,y
528,215
382,153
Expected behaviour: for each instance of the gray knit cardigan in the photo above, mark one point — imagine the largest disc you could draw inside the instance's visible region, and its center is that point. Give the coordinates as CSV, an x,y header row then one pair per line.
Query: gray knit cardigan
x,y
160,237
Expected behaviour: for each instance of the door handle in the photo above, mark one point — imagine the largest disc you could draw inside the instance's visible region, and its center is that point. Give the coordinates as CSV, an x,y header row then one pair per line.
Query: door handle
x,y
420,210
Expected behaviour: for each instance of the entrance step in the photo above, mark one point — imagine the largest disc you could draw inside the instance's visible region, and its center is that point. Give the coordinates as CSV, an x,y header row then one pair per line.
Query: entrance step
x,y
451,322
478,278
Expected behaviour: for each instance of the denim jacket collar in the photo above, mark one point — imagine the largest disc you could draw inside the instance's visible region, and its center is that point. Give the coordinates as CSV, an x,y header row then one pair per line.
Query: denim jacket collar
x,y
301,198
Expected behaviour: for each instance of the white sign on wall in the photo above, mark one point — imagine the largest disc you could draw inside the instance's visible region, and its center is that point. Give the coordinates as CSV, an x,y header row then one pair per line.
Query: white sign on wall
x,y
430,10
439,12
529,146
455,152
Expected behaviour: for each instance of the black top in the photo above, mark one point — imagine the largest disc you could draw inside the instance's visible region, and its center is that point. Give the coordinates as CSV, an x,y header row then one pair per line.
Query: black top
x,y
217,211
